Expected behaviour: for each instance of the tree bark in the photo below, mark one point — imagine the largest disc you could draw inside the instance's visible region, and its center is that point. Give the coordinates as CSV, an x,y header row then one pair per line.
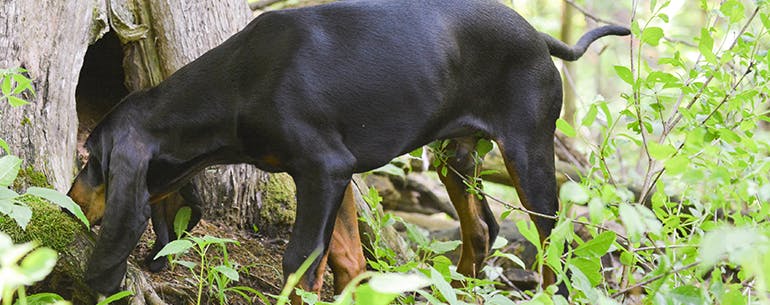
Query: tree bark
x,y
49,39
568,75
181,32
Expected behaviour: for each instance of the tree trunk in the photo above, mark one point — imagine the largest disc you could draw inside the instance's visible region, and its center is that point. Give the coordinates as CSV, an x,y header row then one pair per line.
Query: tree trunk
x,y
49,39
569,76
182,31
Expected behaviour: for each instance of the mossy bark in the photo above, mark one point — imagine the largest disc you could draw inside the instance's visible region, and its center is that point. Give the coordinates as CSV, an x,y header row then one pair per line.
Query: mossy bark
x,y
55,229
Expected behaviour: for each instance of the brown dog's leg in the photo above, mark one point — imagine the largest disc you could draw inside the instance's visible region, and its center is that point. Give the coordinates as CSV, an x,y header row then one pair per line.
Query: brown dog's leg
x,y
346,255
478,226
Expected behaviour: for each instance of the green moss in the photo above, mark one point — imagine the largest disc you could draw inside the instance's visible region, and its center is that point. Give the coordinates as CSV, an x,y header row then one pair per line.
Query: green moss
x,y
28,176
279,202
49,225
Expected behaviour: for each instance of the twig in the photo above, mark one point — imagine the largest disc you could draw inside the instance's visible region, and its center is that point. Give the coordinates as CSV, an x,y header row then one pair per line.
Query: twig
x,y
652,279
677,116
589,14
664,247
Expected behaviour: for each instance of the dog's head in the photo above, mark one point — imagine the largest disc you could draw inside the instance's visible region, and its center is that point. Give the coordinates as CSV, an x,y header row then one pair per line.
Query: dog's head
x,y
88,190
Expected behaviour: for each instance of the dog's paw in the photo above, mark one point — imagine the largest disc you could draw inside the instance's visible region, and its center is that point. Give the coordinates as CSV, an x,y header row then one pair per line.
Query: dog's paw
x,y
156,265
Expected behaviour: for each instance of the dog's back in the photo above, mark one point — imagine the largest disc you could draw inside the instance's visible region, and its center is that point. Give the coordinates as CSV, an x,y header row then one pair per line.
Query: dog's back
x,y
347,60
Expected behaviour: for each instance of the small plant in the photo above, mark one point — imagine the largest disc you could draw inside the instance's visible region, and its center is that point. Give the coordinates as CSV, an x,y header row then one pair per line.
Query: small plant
x,y
23,265
216,276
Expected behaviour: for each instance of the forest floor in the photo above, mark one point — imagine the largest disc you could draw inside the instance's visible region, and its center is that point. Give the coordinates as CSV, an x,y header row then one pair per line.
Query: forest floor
x,y
256,257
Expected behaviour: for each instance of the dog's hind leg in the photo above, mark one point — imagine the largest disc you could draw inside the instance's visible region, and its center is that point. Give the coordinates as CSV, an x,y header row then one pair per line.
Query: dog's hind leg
x,y
478,227
346,255
529,159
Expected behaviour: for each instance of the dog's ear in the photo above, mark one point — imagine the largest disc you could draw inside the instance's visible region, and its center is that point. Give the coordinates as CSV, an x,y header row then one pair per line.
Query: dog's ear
x,y
125,217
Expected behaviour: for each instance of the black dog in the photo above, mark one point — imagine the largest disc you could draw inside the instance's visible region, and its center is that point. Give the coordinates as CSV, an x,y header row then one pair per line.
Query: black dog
x,y
327,91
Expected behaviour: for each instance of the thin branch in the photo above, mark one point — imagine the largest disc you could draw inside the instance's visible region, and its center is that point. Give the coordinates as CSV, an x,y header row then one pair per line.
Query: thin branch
x,y
589,14
652,279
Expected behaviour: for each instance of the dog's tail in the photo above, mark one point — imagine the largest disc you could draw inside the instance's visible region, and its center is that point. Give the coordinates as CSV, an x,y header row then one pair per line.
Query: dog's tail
x,y
572,53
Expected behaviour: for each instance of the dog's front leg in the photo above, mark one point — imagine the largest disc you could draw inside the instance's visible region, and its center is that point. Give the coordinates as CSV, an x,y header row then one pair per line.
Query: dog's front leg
x,y
125,218
320,190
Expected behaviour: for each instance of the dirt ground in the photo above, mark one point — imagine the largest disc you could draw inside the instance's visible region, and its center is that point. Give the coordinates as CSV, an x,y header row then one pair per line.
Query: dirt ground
x,y
258,258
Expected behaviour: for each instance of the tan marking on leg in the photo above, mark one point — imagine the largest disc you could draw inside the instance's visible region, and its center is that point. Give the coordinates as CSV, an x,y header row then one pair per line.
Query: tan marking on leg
x,y
346,252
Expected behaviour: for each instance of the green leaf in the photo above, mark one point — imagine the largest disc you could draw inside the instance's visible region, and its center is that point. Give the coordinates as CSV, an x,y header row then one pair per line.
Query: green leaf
x,y
729,136
483,146
677,165
390,169
428,296
174,247
5,147
181,221
7,194
565,128
499,299
633,222
16,102
230,273
573,192
660,151
590,117
213,240
417,153
366,294
22,83
38,264
528,230
652,35
607,113
734,297
591,268
9,169
443,287
733,9
6,86
115,297
625,74
21,214
706,46
580,281
687,294
61,200
397,283
499,242
513,258
734,244
440,247
187,264
44,298
596,210
596,247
